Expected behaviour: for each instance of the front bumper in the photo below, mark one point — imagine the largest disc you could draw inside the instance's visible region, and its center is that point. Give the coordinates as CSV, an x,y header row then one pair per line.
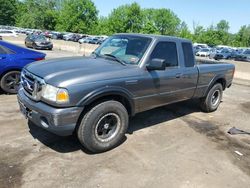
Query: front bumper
x,y
44,47
61,121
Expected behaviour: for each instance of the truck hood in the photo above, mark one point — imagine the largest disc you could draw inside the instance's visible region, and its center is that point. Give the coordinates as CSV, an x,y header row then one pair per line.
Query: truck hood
x,y
63,72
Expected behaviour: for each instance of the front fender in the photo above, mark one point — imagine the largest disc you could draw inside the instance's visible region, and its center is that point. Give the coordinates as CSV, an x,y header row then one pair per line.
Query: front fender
x,y
108,91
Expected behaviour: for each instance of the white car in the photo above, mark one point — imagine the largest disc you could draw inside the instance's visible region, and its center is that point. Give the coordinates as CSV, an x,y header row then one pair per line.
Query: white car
x,y
204,52
8,33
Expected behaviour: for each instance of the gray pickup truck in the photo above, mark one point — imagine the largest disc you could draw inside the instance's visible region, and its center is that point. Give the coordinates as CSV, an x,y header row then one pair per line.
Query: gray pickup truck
x,y
129,73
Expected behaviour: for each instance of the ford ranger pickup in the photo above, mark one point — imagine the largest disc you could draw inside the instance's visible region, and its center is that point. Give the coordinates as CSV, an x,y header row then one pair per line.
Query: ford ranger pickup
x,y
129,73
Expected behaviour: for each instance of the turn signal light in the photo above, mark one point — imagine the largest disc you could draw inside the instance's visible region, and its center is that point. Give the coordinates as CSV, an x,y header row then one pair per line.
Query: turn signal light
x,y
62,96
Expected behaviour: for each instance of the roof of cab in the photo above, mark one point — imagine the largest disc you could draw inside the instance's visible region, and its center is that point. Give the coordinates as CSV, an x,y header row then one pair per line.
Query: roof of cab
x,y
153,36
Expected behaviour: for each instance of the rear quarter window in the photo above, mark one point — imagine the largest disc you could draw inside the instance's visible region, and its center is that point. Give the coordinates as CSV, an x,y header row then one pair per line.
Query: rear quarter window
x,y
188,54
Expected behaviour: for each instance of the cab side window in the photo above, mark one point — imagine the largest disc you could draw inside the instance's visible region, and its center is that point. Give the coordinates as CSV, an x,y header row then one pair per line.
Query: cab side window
x,y
166,51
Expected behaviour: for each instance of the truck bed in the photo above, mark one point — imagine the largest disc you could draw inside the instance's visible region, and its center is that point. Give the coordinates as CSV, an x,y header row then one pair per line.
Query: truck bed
x,y
209,71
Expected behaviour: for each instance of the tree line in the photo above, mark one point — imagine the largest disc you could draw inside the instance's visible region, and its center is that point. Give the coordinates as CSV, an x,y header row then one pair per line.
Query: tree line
x,y
81,16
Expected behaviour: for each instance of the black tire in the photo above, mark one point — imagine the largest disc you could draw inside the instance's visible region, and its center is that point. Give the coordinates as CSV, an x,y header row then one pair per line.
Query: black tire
x,y
103,127
10,82
211,102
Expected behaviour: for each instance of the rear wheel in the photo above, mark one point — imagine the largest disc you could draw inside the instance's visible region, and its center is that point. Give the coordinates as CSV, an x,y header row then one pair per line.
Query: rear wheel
x,y
10,82
103,127
212,101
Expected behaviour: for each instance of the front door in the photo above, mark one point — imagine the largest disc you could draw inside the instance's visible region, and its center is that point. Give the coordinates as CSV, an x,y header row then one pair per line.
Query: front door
x,y
171,80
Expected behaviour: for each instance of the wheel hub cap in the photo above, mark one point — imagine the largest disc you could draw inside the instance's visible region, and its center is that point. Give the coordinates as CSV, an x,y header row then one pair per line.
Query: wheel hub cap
x,y
107,127
215,97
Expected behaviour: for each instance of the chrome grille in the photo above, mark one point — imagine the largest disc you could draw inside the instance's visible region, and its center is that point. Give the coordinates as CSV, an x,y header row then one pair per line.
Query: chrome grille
x,y
32,85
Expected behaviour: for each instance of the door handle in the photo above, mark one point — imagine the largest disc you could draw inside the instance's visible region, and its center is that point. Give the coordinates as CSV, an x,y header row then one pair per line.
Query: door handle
x,y
2,57
178,75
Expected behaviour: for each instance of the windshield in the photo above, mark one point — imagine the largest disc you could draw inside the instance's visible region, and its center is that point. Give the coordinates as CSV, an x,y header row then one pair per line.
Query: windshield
x,y
40,38
204,50
129,49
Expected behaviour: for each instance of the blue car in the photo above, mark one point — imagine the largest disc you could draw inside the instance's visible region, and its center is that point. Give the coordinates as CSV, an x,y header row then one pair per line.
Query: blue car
x,y
12,59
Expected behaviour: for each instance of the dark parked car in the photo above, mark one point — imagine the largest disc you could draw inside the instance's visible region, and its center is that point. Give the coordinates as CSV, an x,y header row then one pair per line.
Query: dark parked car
x,y
244,56
69,37
225,54
94,96
38,42
56,35
12,59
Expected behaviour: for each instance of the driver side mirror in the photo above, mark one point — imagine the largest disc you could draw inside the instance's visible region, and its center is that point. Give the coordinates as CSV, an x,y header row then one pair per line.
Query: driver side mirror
x,y
156,64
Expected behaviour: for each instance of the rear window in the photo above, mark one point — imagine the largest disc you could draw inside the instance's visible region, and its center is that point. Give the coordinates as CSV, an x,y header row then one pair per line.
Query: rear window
x,y
188,54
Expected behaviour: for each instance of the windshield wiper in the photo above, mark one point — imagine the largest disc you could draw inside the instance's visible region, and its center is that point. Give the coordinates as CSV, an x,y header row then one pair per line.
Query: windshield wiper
x,y
116,58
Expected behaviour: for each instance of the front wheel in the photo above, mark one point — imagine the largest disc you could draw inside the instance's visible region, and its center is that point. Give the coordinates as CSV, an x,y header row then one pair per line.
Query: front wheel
x,y
10,82
103,127
212,101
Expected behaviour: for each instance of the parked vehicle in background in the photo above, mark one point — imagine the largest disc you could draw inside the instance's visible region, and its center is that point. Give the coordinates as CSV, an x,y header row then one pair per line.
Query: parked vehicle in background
x,y
101,39
68,36
213,53
201,45
196,49
204,52
94,40
56,35
76,37
38,42
1,38
226,53
47,34
244,56
12,59
94,96
85,40
8,33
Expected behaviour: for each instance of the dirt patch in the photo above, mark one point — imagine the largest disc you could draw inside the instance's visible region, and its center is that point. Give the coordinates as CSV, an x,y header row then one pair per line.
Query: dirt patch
x,y
11,167
222,139
10,175
246,107
224,142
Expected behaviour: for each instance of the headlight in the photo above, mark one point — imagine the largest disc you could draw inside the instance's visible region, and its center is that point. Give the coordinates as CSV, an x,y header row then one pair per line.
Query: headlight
x,y
55,94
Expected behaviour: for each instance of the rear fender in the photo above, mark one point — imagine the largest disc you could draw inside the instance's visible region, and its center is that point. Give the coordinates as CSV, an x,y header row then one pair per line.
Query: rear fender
x,y
213,81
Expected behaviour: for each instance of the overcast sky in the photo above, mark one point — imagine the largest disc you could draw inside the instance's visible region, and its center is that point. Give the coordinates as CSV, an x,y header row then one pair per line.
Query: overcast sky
x,y
199,11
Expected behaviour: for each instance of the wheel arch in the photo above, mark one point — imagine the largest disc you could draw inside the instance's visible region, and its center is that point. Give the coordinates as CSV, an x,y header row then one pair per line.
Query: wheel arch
x,y
218,79
118,94
9,70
